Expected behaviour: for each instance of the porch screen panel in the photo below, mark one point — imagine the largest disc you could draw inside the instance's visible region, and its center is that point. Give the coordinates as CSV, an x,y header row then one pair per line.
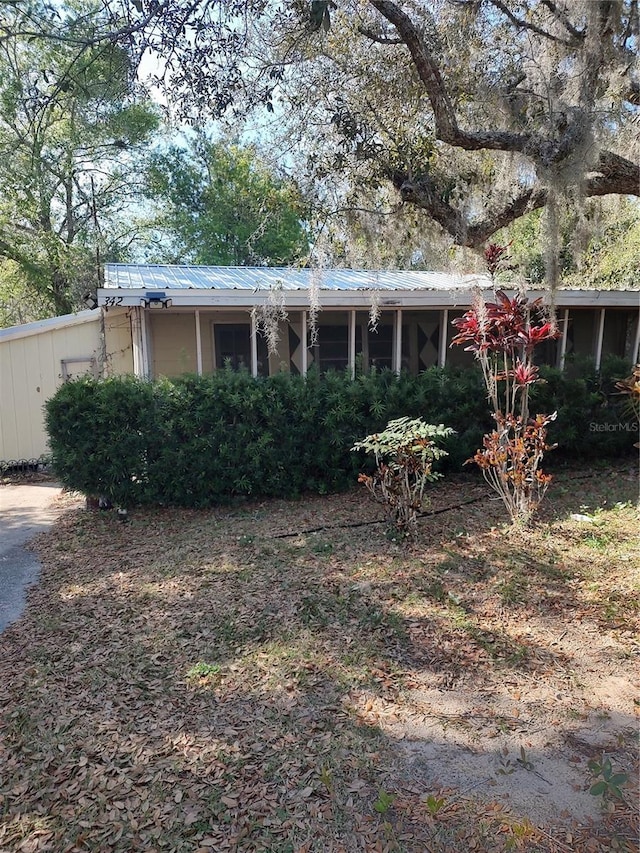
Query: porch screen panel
x,y
582,332
374,347
381,343
420,340
619,333
456,356
173,343
233,347
331,351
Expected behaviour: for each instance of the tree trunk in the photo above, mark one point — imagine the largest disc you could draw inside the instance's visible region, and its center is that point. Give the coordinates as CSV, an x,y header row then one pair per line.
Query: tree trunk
x,y
60,295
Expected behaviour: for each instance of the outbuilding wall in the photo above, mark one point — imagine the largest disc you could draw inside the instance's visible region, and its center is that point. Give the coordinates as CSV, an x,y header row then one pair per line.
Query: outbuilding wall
x,y
34,360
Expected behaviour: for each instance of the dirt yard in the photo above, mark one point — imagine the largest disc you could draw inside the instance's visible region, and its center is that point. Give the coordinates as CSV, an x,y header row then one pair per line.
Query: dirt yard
x,y
284,677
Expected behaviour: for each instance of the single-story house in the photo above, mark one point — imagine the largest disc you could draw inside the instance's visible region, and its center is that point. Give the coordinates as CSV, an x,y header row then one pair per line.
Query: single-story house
x,y
158,320
188,319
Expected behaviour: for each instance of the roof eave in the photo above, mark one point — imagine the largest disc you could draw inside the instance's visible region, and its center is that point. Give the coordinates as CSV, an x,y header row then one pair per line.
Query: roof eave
x,y
51,324
331,298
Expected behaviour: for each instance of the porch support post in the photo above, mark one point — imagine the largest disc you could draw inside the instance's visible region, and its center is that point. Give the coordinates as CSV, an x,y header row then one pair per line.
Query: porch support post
x,y
442,349
138,342
600,338
144,329
305,351
198,344
254,347
352,343
397,342
635,355
563,340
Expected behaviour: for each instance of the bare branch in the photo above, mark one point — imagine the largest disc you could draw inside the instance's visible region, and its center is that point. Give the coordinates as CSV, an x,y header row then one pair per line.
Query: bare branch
x,y
564,20
25,259
614,175
633,95
446,121
372,211
93,37
530,199
527,25
425,194
378,37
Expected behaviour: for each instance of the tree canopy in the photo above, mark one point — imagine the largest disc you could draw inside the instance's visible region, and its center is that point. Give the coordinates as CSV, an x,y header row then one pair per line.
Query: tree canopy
x,y
598,246
477,111
221,204
70,134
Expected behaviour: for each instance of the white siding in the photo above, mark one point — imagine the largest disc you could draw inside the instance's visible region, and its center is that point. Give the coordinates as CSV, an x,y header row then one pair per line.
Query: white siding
x,y
117,342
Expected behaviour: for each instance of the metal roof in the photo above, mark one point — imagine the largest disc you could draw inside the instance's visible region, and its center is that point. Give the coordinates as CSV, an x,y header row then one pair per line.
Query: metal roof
x,y
165,277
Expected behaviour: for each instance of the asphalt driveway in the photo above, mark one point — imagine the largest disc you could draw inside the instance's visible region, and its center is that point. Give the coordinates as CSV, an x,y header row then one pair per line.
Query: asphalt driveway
x,y
25,510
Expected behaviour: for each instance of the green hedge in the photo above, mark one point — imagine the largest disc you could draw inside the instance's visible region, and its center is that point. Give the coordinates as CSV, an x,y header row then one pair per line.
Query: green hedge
x,y
200,441
593,420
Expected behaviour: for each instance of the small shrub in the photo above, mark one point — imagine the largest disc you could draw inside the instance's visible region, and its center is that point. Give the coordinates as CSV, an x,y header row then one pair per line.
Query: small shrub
x,y
503,336
607,783
629,388
99,434
404,454
384,801
202,670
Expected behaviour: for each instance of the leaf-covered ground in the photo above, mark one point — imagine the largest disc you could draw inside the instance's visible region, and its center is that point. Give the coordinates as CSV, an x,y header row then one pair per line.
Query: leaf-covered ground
x,y
283,677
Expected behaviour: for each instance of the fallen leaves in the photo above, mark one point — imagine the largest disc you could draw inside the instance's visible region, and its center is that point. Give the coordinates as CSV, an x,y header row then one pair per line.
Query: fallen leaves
x,y
313,653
